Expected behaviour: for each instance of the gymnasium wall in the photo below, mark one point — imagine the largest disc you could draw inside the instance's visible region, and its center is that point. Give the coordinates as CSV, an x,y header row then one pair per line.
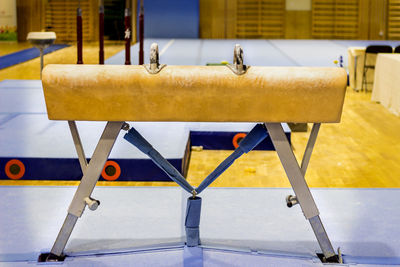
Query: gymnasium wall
x,y
163,19
171,19
8,20
284,19
300,19
30,17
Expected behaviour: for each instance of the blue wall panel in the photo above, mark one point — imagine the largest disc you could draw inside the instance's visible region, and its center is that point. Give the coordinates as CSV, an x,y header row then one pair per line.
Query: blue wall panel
x,y
171,19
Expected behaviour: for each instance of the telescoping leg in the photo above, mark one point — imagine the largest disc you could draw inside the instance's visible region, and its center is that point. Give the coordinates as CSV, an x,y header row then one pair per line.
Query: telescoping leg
x,y
192,221
82,197
299,184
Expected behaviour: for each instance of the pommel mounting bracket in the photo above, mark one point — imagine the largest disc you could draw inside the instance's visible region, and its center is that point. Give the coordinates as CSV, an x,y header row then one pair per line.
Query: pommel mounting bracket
x,y
238,67
154,67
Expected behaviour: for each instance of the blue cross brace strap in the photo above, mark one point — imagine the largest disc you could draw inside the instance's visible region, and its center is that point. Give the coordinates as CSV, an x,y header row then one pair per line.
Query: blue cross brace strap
x,y
192,221
252,139
137,140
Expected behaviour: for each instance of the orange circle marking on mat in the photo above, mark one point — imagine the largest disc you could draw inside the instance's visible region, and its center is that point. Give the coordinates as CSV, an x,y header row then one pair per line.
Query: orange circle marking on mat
x,y
237,138
19,174
115,176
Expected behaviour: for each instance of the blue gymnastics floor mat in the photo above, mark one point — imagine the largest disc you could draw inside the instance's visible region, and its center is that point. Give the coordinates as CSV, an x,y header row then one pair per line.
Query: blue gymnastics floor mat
x,y
26,54
143,226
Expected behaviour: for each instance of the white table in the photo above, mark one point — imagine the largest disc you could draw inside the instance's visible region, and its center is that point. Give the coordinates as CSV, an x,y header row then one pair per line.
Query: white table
x,y
386,88
355,65
356,56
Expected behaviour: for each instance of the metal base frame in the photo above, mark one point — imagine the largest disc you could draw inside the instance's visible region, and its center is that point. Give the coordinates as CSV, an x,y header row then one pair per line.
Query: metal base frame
x,y
296,174
91,173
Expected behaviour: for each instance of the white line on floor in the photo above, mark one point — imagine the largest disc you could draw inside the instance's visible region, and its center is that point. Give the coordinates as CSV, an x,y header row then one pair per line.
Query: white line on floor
x,y
167,46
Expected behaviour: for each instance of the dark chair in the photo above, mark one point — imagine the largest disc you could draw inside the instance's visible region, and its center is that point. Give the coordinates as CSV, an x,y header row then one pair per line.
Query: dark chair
x,y
397,49
372,50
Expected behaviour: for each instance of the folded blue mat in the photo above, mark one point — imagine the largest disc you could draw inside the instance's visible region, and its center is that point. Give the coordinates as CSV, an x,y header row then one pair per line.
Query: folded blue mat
x,y
26,54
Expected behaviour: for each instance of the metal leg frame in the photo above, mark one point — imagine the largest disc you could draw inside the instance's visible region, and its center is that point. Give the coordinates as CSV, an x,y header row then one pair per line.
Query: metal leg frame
x,y
78,145
364,74
92,171
355,73
91,174
309,148
365,71
299,184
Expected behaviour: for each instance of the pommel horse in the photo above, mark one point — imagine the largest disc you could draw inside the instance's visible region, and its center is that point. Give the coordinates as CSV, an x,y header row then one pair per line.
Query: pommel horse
x,y
232,93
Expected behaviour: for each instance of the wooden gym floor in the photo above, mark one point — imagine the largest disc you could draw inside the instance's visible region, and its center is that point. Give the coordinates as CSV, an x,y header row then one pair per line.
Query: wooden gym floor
x,y
360,152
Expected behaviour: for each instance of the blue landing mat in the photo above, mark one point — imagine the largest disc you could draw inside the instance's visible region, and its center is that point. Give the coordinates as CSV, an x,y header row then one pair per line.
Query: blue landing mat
x,y
26,54
176,257
274,52
18,84
143,226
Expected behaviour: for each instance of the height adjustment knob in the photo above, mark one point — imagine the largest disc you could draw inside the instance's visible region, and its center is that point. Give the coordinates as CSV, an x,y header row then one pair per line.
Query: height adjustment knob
x,y
93,204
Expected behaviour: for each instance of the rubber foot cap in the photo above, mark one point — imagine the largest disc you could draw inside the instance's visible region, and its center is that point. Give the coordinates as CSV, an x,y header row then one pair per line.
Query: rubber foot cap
x,y
333,259
50,257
